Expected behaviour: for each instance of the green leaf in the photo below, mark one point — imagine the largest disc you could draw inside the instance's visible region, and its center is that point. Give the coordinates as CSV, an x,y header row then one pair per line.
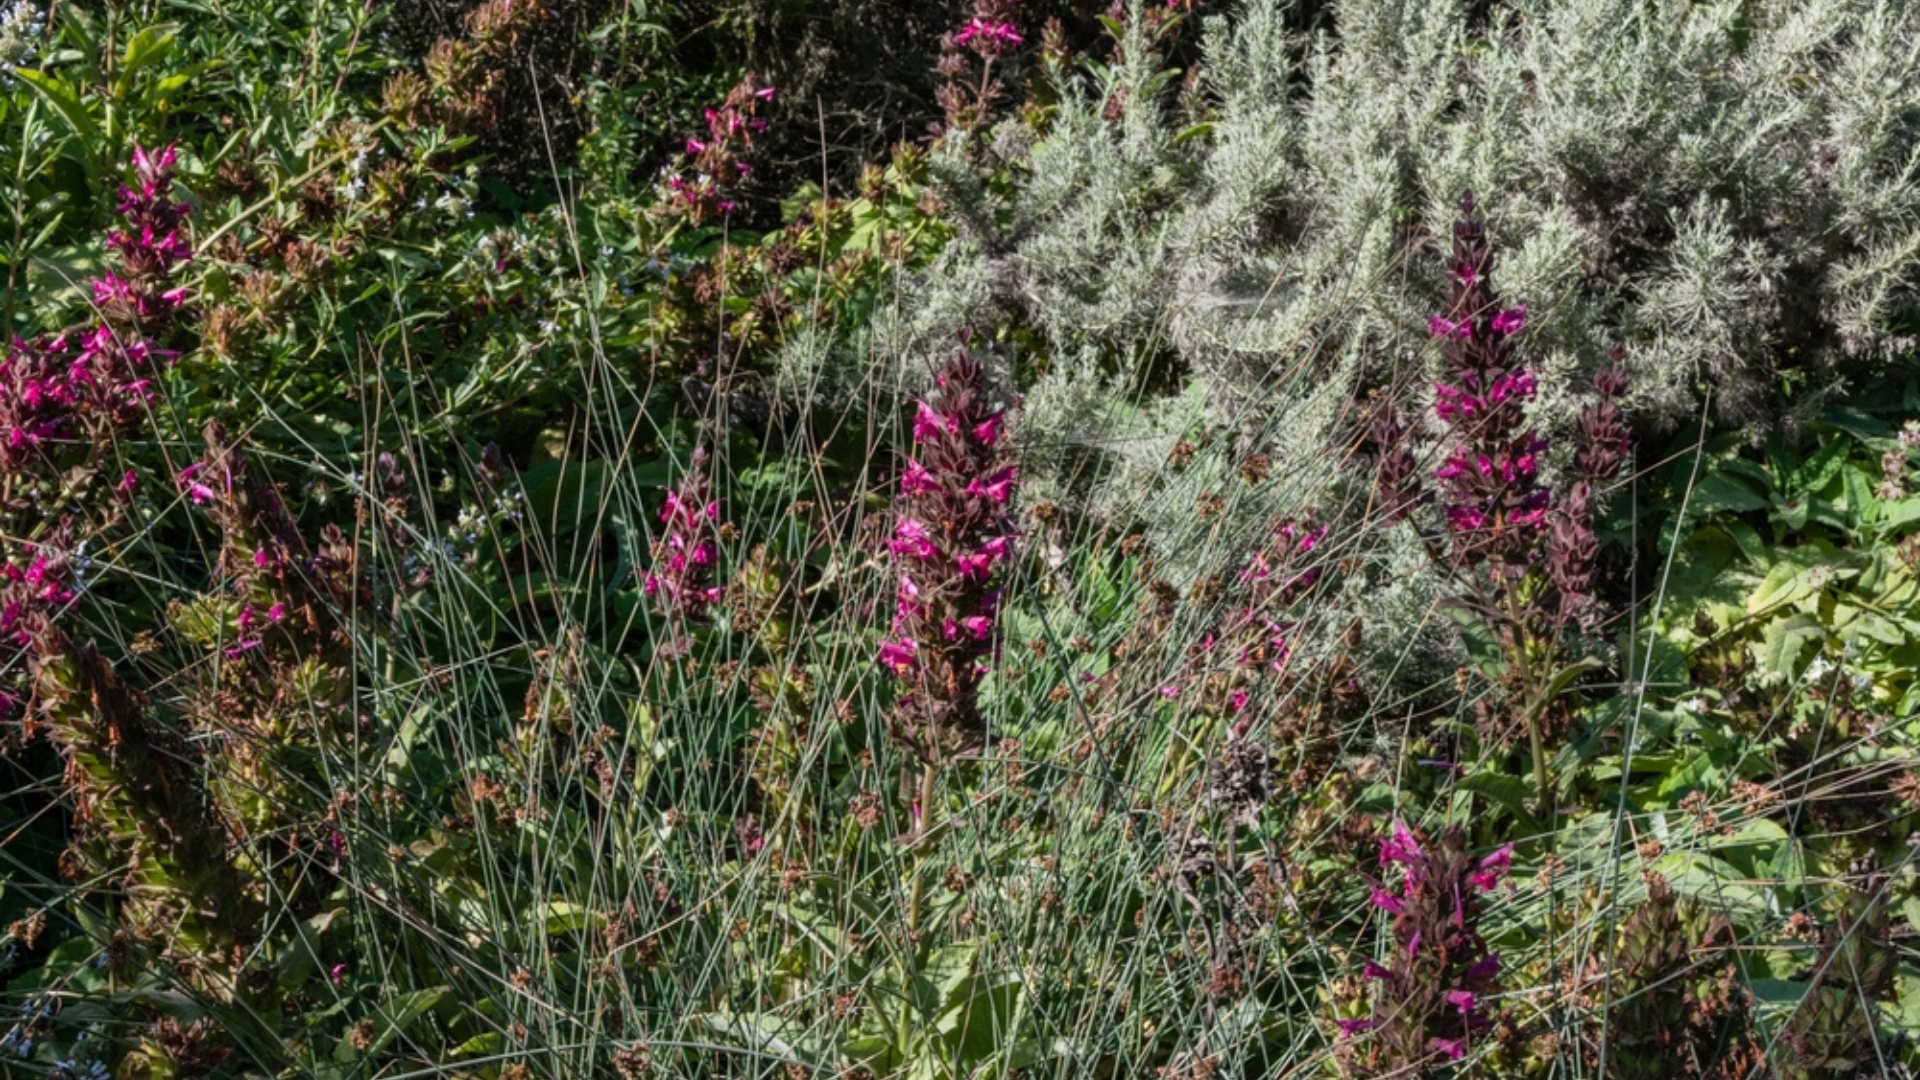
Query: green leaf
x,y
487,1045
1718,493
66,101
150,46
942,975
1482,647
1783,642
1817,471
1510,793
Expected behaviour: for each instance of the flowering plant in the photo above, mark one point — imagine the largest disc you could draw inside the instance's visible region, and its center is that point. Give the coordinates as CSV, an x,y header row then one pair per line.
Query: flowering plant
x,y
56,389
686,554
967,61
1432,991
951,530
718,160
1524,551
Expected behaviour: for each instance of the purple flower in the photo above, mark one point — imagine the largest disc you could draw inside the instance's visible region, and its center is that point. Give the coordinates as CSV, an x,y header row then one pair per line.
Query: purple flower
x,y
1401,847
1350,1028
1487,967
1487,874
952,531
686,554
1511,320
929,425
901,656
1455,1049
916,480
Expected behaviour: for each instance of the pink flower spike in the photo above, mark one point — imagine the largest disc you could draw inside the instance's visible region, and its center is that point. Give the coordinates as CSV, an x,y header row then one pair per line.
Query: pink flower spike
x,y
1374,971
1511,320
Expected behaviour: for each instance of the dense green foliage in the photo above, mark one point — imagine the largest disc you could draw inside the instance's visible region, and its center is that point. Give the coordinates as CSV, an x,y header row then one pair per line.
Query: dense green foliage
x,y
710,538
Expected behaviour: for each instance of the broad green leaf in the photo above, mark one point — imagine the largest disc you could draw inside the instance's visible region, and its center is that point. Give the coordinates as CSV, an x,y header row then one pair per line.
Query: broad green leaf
x,y
1783,642
1718,493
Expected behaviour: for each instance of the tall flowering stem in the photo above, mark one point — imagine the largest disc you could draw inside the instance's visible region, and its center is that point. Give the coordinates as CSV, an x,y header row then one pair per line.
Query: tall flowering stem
x,y
951,533
967,60
81,384
718,163
1495,504
1525,552
1571,544
687,553
1431,994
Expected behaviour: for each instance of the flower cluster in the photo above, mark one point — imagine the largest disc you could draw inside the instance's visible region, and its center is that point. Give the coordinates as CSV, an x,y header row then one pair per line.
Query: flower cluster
x,y
718,162
58,388
1571,544
951,531
1275,579
991,32
1433,988
686,554
1489,484
460,87
970,88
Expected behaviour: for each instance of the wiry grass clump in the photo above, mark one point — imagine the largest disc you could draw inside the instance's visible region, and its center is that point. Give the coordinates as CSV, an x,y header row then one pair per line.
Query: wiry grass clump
x,y
596,637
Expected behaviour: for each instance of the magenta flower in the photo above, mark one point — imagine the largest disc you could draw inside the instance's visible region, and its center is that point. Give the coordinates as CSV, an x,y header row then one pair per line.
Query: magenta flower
x,y
952,530
685,555
1430,991
902,656
1386,901
1350,1028
1511,320
916,480
718,161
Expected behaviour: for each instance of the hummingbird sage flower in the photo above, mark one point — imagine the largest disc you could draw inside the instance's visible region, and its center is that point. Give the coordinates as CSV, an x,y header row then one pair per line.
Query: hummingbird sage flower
x,y
951,533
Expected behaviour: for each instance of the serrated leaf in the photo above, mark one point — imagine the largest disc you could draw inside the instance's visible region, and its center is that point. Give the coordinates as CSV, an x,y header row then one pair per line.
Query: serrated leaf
x,y
1783,642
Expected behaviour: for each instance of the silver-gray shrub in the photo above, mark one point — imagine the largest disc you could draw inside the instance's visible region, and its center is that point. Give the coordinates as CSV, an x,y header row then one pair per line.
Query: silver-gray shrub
x,y
1726,189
